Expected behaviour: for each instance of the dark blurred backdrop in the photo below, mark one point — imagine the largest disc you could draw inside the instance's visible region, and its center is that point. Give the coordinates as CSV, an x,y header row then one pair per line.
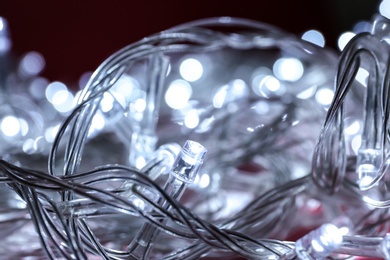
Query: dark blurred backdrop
x,y
76,36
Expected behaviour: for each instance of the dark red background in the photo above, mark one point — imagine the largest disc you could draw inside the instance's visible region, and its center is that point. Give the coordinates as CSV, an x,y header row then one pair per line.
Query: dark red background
x,y
76,36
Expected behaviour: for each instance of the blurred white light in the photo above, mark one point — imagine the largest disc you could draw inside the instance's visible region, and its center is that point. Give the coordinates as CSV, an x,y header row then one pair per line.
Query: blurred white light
x,y
65,105
178,94
140,162
257,77
28,146
289,69
60,97
140,105
204,181
37,87
262,107
344,230
5,41
125,85
353,128
51,133
3,24
107,102
362,76
23,126
384,8
219,97
57,93
39,143
307,93
267,86
53,88
356,143
324,96
32,64
314,37
97,124
192,119
125,89
191,69
236,89
272,84
344,39
10,126
362,26
5,44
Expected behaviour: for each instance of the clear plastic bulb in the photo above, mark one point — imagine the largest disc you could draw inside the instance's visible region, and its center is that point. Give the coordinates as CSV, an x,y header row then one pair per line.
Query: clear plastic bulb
x,y
184,171
319,243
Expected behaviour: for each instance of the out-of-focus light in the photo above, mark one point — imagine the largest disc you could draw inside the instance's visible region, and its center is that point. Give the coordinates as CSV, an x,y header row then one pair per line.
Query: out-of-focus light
x,y
2,24
97,124
344,39
126,89
23,126
272,84
362,26
191,69
356,143
39,143
10,126
262,107
107,102
52,90
257,76
353,128
307,93
315,37
51,133
178,94
140,105
204,181
60,97
28,146
140,162
5,41
289,69
37,87
267,86
57,93
362,76
32,64
324,96
236,89
67,105
219,97
384,8
192,119
5,44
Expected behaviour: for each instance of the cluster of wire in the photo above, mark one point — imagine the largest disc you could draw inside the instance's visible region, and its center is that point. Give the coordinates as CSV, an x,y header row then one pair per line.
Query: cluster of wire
x,y
117,211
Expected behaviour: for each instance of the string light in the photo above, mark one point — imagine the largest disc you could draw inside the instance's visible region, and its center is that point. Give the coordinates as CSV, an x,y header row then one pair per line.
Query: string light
x,y
273,167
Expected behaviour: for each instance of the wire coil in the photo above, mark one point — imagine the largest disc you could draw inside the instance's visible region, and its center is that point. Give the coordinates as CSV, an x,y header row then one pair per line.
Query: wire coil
x,y
258,140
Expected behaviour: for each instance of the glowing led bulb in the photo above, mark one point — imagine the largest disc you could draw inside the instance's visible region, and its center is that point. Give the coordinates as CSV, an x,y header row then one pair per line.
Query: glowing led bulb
x,y
189,161
183,172
319,243
368,164
384,8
